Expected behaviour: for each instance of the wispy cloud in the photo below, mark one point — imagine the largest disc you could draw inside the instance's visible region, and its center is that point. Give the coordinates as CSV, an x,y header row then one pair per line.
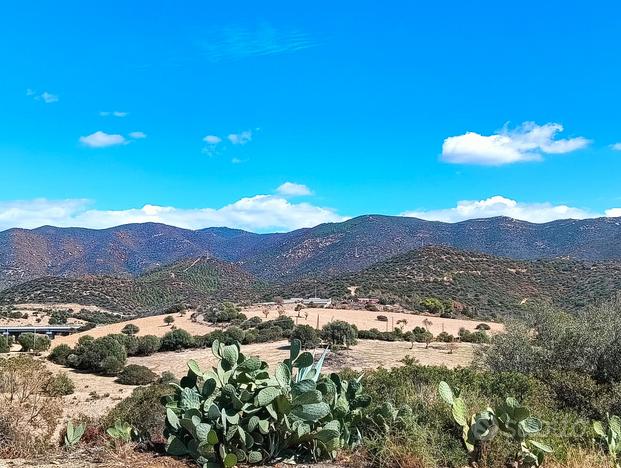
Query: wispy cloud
x,y
501,206
528,142
236,42
616,146
240,138
100,139
292,189
114,114
255,213
45,96
215,144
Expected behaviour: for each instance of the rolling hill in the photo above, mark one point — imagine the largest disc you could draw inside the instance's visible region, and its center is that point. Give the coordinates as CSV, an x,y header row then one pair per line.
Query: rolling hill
x,y
327,249
199,280
487,286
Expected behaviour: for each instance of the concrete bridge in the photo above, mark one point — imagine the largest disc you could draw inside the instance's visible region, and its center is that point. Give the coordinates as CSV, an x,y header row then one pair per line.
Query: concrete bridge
x,y
49,330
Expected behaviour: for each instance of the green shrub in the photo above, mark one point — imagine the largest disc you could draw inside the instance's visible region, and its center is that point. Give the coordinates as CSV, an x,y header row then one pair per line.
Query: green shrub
x,y
307,335
235,334
102,355
148,344
224,312
445,337
60,385
136,375
382,318
5,345
339,332
32,342
60,353
130,329
143,411
176,339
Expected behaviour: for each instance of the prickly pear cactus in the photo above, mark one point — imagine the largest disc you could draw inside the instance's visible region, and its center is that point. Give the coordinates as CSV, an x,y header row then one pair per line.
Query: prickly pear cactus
x,y
239,412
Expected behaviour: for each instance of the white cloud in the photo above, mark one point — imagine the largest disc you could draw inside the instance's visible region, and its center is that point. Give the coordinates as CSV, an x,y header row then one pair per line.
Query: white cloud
x,y
502,206
525,143
293,189
236,161
212,139
613,212
256,213
137,135
114,113
101,139
240,138
45,96
616,146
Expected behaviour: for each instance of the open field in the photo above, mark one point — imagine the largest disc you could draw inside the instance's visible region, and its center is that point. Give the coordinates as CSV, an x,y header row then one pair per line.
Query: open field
x,y
363,319
94,394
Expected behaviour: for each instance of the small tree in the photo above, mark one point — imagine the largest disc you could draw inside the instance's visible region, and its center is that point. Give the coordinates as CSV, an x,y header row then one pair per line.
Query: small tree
x,y
32,342
280,311
265,311
340,333
307,335
130,329
169,320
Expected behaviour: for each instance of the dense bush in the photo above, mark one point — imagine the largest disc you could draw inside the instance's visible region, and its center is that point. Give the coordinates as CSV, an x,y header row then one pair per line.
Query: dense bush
x,y
130,329
32,342
5,345
307,335
483,326
143,411
339,332
382,318
60,353
478,336
445,337
224,312
60,385
147,345
176,339
104,355
136,375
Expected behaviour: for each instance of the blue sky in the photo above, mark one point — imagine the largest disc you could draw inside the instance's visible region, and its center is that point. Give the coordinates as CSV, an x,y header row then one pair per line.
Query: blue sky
x,y
196,115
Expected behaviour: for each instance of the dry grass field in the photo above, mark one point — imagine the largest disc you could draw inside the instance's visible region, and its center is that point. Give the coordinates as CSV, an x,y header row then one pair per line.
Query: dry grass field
x,y
95,394
363,319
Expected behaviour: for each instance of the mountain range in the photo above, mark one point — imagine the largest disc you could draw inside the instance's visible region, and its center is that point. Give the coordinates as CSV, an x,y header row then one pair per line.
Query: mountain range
x,y
327,249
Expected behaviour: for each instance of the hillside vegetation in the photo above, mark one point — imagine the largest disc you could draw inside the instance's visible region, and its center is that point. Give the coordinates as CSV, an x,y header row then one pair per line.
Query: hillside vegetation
x,y
196,280
332,248
481,285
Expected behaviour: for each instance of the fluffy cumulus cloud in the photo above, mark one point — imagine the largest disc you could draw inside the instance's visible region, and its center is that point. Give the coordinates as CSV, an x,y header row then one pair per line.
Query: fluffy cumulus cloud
x,y
101,139
528,142
292,189
502,206
256,213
